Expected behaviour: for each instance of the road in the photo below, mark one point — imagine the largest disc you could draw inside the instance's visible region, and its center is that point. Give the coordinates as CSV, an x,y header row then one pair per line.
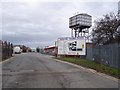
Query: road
x,y
34,70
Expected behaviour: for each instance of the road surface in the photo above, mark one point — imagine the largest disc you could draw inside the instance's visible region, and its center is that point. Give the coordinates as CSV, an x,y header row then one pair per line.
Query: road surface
x,y
34,70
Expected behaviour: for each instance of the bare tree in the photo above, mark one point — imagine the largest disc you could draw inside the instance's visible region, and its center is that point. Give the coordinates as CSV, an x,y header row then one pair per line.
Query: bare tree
x,y
105,29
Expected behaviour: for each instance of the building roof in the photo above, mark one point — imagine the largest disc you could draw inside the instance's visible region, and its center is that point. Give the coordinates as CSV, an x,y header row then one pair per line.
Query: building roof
x,y
50,47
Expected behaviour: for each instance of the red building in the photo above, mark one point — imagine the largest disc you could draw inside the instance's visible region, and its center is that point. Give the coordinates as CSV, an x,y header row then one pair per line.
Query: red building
x,y
51,50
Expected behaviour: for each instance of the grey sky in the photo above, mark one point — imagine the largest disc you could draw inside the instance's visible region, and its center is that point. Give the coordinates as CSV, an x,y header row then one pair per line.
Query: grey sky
x,y
41,23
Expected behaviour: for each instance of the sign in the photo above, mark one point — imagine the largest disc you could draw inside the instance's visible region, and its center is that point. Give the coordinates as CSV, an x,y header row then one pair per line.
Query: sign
x,y
71,46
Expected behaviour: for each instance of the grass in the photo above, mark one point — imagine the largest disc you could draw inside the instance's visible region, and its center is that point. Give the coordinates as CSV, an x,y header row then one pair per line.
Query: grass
x,y
93,65
5,58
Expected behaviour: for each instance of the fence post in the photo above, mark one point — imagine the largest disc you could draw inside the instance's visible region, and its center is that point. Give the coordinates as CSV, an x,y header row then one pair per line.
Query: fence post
x,y
119,56
11,49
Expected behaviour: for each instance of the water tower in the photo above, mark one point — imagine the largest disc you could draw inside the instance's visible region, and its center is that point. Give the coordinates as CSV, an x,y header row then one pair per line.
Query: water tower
x,y
80,25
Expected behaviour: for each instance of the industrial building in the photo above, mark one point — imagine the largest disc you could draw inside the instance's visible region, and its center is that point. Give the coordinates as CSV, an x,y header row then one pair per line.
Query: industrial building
x,y
51,50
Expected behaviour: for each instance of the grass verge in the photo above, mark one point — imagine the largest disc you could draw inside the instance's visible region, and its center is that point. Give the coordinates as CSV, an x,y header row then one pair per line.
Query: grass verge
x,y
93,65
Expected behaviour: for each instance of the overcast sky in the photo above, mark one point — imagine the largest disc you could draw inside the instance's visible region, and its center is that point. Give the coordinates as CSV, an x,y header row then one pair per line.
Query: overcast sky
x,y
41,23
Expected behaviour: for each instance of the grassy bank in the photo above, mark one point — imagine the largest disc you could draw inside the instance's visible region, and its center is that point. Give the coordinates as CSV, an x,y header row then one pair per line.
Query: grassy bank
x,y
93,65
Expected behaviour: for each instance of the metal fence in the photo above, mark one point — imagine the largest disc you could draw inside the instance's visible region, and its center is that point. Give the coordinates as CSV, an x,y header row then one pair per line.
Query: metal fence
x,y
107,54
5,49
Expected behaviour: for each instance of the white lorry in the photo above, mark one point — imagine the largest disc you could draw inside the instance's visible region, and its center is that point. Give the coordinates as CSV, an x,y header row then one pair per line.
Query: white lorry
x,y
17,50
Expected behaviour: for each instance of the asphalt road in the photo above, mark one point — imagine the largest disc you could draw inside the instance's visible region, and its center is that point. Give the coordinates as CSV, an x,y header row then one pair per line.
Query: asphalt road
x,y
33,70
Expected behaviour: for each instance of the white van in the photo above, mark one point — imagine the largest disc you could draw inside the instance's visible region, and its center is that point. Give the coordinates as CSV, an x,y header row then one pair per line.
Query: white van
x,y
16,50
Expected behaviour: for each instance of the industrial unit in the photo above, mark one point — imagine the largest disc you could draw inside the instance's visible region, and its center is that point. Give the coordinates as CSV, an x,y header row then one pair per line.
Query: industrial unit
x,y
51,50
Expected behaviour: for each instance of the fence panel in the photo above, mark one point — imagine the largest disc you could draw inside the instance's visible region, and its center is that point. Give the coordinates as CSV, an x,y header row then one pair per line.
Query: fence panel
x,y
107,54
89,53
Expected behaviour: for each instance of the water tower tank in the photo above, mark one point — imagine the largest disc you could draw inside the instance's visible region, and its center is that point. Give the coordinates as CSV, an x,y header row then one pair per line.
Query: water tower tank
x,y
80,22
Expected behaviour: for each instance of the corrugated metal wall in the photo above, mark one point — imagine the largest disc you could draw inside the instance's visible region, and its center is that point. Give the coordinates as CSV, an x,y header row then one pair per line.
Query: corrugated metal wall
x,y
107,54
